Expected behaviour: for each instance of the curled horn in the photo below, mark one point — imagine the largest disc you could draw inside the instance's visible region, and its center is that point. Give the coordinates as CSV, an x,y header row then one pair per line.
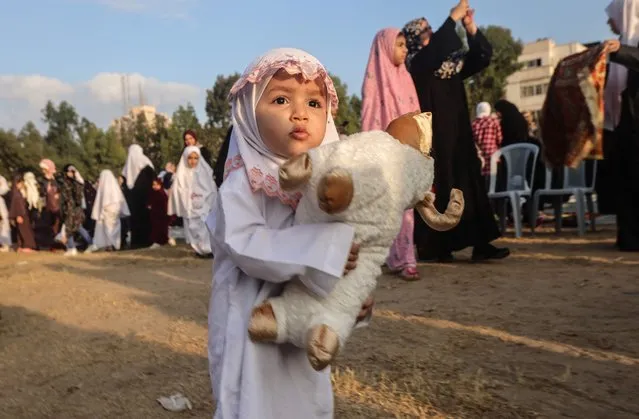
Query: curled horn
x,y
436,220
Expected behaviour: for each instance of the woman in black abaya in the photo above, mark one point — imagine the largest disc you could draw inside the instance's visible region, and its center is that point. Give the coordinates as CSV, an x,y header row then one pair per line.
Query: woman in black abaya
x,y
138,174
438,67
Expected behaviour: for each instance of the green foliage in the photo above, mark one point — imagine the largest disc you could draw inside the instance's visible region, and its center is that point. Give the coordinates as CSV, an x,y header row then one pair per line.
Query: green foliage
x,y
218,108
489,85
350,108
70,138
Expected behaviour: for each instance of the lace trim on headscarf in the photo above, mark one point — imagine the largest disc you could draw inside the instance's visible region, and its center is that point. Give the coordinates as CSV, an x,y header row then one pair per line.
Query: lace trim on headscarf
x,y
258,180
266,68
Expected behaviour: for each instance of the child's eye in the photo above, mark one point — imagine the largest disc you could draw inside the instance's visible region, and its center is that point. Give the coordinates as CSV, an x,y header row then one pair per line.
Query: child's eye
x,y
315,104
280,100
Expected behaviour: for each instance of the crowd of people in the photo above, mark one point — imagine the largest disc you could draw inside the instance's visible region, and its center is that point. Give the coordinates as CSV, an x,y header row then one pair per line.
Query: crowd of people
x,y
133,211
284,105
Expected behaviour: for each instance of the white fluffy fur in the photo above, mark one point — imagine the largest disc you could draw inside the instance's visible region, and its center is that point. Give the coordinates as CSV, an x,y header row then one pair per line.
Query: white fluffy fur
x,y
388,178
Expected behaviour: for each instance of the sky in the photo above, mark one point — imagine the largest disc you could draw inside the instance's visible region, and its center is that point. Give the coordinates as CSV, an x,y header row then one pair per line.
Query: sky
x,y
76,50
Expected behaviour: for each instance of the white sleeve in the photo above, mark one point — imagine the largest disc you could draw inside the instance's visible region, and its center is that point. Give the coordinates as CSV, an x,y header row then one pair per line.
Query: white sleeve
x,y
316,252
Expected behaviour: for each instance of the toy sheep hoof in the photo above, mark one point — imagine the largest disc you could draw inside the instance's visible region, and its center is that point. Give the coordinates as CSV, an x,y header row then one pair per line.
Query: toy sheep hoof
x,y
263,326
323,346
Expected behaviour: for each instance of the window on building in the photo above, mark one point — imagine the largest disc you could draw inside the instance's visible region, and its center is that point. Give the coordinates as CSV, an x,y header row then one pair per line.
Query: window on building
x,y
534,90
533,63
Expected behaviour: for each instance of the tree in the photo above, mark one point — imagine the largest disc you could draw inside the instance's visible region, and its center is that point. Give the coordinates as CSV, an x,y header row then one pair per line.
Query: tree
x,y
489,85
218,111
61,122
33,146
350,107
218,108
183,118
10,154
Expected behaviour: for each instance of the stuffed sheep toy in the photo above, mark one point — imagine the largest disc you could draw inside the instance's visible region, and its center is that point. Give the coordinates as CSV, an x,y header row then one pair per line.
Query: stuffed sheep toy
x,y
367,181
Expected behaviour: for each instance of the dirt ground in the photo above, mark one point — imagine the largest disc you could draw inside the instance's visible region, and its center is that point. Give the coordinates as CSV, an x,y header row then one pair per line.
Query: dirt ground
x,y
551,332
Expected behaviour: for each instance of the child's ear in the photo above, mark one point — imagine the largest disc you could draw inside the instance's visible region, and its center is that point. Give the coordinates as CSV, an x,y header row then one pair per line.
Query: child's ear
x,y
296,172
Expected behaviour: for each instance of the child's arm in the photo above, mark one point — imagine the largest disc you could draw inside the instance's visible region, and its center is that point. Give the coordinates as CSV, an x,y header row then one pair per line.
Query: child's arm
x,y
238,226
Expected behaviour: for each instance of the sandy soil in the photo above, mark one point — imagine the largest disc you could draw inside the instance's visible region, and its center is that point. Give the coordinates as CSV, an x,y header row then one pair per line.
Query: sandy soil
x,y
550,332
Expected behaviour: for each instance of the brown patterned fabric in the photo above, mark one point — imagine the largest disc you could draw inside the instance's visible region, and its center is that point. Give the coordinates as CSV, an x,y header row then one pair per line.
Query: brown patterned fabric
x,y
573,112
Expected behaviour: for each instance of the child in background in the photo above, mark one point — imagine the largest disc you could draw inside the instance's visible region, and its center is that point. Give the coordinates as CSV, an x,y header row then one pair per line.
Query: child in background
x,y
158,205
192,197
109,207
281,107
388,92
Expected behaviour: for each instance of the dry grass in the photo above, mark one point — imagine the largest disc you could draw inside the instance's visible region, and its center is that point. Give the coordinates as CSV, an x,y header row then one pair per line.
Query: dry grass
x,y
550,332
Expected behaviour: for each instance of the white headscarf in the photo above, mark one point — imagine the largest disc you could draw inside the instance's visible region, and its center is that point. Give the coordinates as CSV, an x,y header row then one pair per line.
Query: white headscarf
x,y
625,14
32,192
4,186
483,109
136,161
193,192
246,147
109,192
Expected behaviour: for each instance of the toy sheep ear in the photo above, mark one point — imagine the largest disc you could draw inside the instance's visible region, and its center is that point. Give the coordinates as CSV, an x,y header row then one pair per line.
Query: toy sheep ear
x,y
296,172
335,191
414,129
436,220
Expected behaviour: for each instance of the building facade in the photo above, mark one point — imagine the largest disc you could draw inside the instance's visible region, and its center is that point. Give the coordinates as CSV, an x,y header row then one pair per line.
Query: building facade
x,y
527,87
150,115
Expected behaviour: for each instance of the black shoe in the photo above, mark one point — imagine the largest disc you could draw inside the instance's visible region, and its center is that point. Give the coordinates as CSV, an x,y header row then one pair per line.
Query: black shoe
x,y
442,258
489,252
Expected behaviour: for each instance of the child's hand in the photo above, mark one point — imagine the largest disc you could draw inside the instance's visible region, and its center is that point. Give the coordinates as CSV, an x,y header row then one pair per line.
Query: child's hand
x,y
352,259
19,220
367,308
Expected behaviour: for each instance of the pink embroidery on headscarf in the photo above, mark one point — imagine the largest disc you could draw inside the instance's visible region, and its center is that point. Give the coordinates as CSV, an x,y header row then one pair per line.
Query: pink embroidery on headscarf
x,y
266,67
268,184
388,90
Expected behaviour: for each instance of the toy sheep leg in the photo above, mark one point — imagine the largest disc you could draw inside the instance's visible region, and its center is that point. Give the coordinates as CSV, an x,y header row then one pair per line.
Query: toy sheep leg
x,y
285,318
332,326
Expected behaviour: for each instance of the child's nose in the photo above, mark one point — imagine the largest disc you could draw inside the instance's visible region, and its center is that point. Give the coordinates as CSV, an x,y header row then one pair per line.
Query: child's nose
x,y
300,113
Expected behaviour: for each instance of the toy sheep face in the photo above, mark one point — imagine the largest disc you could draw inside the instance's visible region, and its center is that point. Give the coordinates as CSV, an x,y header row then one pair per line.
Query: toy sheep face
x,y
335,190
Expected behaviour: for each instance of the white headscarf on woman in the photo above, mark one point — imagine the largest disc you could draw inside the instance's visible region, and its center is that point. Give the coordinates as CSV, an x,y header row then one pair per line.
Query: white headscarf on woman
x,y
246,146
109,193
193,191
625,14
136,161
483,109
32,192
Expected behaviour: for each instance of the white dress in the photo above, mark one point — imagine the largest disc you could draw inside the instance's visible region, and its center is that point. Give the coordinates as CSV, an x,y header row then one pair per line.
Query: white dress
x,y
253,237
110,205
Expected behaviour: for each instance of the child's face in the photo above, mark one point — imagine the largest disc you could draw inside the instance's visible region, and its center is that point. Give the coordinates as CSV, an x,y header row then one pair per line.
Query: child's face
x,y
400,51
193,159
291,114
156,186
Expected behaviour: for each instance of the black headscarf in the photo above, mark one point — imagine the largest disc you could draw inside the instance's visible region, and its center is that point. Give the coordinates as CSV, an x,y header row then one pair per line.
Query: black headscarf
x,y
412,31
514,126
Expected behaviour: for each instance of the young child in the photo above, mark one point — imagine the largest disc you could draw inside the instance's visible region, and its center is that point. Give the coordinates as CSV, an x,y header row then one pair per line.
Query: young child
x,y
387,93
280,108
192,197
158,206
109,207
